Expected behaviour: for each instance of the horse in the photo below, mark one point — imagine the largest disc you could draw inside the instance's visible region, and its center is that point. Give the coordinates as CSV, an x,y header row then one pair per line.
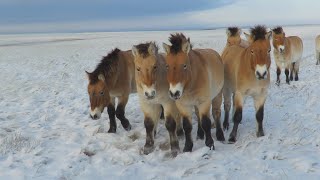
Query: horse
x,y
318,49
247,74
112,78
287,53
234,37
195,79
152,88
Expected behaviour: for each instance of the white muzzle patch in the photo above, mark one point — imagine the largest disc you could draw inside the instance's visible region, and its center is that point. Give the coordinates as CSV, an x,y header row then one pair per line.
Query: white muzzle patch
x,y
261,71
281,48
176,90
96,113
149,92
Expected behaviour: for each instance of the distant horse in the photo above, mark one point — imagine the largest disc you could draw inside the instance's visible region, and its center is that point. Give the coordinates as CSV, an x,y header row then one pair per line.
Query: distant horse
x,y
152,87
196,78
234,37
112,78
287,53
247,74
318,49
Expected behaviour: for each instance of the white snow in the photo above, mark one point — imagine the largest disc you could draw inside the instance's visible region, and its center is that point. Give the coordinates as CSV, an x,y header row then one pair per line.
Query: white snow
x,y
46,131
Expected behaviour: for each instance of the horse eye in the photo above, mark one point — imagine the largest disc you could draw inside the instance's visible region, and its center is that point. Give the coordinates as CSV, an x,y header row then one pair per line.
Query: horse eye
x,y
184,66
101,93
138,69
154,67
269,51
167,66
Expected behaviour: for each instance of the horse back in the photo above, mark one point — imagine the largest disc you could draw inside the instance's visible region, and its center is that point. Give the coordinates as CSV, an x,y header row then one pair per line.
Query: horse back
x,y
127,72
296,46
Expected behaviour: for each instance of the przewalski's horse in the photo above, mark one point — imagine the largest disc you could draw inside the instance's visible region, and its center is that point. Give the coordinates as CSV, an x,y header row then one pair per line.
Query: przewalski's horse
x,y
287,54
112,78
234,38
196,78
247,74
152,87
318,49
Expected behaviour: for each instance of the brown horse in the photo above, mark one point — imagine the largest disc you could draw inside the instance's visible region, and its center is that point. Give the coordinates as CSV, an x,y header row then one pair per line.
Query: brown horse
x,y
112,78
234,37
152,88
287,54
196,78
247,74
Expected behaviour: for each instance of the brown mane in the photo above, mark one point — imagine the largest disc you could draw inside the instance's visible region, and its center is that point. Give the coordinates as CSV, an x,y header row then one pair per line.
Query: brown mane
x,y
233,31
107,66
277,30
143,49
258,32
177,41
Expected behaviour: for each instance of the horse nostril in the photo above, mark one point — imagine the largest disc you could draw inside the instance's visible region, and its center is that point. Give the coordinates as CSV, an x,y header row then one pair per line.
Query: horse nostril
x,y
95,116
91,116
153,93
177,94
146,94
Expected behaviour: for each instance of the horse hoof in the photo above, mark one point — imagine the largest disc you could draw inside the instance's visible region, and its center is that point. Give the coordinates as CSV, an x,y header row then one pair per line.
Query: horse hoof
x,y
209,142
291,78
260,133
220,135
128,127
148,149
201,137
112,130
288,82
296,78
232,140
188,148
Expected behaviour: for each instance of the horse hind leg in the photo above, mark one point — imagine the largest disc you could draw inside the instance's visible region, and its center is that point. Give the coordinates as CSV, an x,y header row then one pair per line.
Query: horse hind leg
x,y
296,70
227,106
287,75
216,113
200,132
120,113
292,70
237,117
318,57
278,75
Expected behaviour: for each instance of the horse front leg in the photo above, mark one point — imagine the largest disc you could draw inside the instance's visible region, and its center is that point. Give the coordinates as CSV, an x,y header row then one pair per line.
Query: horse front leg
x,y
237,117
204,111
200,132
112,116
216,114
278,75
287,75
172,119
186,113
120,112
259,106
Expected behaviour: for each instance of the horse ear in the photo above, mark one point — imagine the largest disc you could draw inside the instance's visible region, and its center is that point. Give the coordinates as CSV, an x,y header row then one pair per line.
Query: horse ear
x,y
166,48
153,50
268,35
134,51
186,47
88,75
101,77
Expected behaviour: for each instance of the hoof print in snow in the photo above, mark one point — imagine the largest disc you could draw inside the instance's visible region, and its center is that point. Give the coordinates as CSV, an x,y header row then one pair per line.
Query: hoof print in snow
x,y
89,153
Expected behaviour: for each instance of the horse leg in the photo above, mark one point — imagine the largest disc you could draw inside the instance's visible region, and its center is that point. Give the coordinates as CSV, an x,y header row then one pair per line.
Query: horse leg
x,y
186,113
216,114
259,106
112,116
204,111
200,132
123,100
287,75
296,70
227,106
237,117
291,71
151,116
318,57
172,117
278,75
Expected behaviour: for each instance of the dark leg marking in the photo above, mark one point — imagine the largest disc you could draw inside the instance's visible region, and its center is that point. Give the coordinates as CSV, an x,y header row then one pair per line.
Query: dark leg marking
x,y
200,132
259,117
120,115
287,76
291,71
206,126
187,127
112,117
278,76
236,120
149,125
171,127
226,116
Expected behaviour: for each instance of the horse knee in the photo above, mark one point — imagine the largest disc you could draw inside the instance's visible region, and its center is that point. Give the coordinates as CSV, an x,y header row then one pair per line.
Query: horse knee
x,y
170,124
120,112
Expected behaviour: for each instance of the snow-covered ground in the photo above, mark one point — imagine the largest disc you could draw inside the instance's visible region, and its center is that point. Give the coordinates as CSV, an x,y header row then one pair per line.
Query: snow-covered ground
x,y
46,132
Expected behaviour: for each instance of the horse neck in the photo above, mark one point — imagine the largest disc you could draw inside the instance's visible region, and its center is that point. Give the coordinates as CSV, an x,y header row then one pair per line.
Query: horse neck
x,y
161,73
245,62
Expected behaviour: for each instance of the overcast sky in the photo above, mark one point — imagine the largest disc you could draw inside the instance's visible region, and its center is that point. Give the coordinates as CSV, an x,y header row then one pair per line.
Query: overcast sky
x,y
18,16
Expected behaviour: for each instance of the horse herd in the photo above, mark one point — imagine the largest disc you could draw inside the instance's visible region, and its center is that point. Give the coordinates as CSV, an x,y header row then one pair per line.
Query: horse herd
x,y
183,79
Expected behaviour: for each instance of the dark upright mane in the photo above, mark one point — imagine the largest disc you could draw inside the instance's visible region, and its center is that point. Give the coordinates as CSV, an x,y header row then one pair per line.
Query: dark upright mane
x,y
277,30
177,41
233,30
258,32
107,65
143,49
